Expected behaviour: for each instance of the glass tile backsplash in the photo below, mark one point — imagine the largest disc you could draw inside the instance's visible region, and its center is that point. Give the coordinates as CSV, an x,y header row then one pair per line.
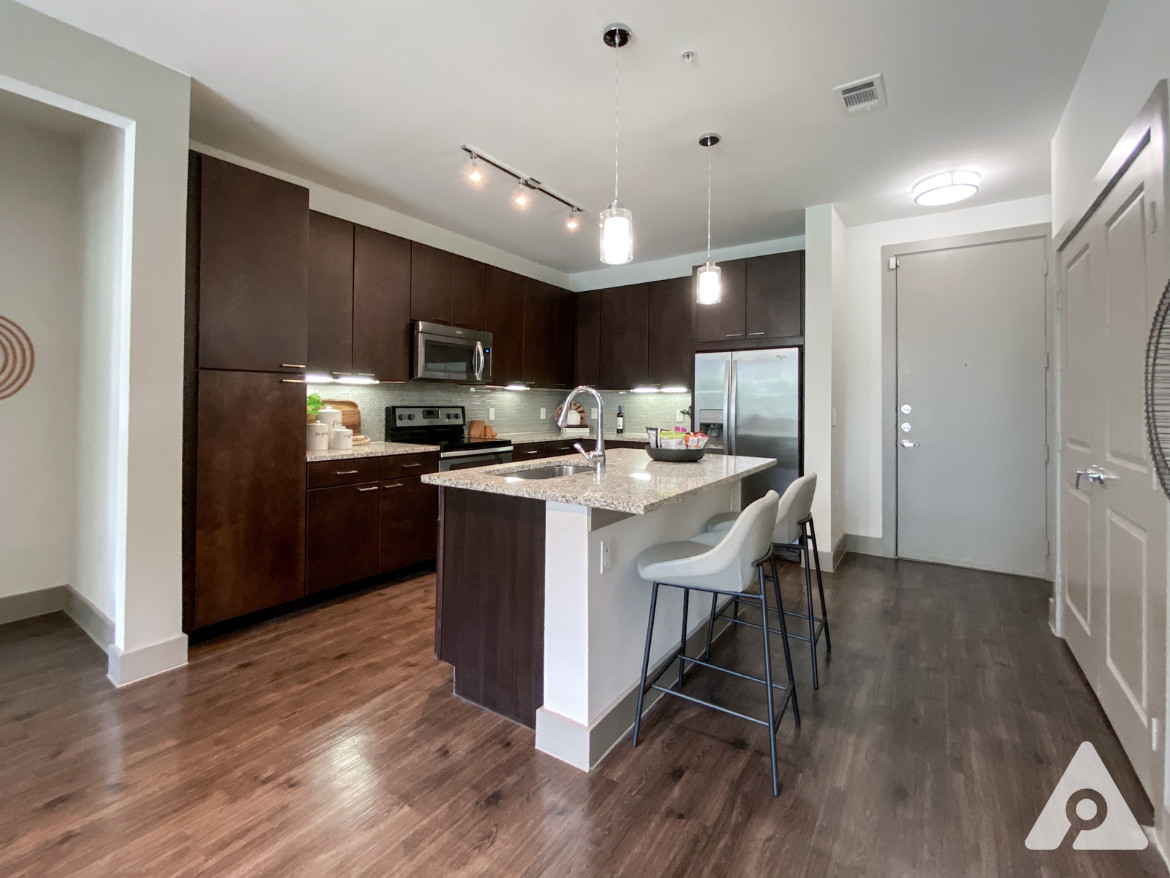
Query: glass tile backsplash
x,y
515,411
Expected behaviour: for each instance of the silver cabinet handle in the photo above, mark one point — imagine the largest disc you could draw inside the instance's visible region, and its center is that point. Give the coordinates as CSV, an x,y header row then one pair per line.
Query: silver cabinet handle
x,y
532,452
758,333
410,465
734,334
395,485
293,381
363,490
347,472
292,365
906,443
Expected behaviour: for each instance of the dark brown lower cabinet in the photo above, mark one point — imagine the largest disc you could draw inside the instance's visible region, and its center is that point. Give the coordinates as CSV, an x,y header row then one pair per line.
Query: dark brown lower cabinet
x,y
341,535
409,522
249,546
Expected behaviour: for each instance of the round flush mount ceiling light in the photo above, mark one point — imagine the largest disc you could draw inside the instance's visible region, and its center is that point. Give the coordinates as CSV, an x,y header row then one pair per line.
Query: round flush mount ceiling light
x,y
946,188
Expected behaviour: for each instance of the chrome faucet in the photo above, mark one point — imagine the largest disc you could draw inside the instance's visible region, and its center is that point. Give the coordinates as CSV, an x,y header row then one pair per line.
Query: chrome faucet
x,y
597,455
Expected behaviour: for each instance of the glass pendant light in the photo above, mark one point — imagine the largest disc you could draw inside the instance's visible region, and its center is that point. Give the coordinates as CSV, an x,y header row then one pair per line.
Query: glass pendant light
x,y
521,196
571,223
708,284
474,174
617,223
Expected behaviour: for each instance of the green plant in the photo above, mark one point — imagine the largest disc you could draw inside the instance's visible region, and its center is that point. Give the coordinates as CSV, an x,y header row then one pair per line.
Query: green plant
x,y
313,405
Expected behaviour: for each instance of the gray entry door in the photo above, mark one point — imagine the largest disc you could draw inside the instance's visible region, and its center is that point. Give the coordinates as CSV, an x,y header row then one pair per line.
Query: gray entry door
x,y
971,426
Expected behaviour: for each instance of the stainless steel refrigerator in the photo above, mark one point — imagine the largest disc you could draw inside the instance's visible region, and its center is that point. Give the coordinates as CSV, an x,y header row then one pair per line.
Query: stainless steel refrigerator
x,y
748,403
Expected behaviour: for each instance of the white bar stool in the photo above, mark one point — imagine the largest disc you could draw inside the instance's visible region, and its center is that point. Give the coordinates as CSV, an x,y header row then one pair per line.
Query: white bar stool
x,y
794,530
727,568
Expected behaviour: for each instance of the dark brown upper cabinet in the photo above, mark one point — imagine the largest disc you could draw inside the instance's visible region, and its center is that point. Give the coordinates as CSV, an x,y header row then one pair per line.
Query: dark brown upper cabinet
x,y
330,294
624,340
565,318
539,366
774,292
505,321
670,349
430,284
724,322
468,293
587,347
253,265
381,305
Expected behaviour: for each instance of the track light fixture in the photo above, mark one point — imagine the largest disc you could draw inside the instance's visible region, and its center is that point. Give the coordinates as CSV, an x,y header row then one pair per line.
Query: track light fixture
x,y
525,184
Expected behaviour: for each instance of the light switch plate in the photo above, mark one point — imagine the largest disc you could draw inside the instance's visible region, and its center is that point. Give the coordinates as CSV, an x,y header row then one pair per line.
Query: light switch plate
x,y
542,413
491,414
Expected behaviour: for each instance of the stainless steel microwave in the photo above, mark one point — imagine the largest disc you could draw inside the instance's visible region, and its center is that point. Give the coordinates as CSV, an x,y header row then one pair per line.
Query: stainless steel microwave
x,y
448,353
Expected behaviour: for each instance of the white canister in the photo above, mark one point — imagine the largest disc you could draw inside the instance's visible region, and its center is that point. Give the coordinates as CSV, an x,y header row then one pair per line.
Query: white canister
x,y
318,436
341,439
331,417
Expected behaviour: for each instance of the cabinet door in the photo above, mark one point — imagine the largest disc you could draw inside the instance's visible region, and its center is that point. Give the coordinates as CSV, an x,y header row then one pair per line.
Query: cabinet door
x,y
249,495
341,535
330,294
671,350
775,295
726,321
624,350
468,293
430,284
505,321
539,365
409,523
587,350
565,318
381,305
253,270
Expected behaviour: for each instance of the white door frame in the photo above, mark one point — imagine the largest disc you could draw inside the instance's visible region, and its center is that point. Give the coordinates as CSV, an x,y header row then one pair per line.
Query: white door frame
x,y
889,540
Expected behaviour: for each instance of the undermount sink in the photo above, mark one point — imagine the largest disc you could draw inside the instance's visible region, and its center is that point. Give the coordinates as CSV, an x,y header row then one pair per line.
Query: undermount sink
x,y
549,472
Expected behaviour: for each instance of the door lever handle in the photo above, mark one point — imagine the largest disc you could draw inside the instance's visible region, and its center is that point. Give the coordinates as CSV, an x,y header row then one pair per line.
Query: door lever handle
x,y
1095,474
906,443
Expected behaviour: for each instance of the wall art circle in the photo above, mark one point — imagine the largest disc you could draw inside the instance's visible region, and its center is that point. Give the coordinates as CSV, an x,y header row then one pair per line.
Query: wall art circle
x,y
17,358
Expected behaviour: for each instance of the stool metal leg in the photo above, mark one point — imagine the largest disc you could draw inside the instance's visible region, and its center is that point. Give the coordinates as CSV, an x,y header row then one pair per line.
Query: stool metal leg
x,y
710,629
645,661
820,585
812,623
768,681
682,646
784,639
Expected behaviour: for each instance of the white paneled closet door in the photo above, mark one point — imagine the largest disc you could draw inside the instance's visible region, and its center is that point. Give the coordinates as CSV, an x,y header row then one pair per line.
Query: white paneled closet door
x,y
1113,514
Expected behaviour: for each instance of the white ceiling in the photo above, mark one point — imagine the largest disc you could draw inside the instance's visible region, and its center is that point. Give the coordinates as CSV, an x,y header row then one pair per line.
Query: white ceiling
x,y
374,98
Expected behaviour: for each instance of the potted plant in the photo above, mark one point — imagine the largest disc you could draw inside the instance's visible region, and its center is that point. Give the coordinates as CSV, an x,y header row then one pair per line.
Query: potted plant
x,y
313,405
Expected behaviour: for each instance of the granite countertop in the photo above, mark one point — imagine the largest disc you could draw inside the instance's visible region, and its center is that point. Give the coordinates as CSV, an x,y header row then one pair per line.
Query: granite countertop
x,y
573,436
631,481
374,449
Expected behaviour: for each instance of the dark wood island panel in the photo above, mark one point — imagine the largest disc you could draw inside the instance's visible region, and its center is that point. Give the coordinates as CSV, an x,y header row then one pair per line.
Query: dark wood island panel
x,y
490,600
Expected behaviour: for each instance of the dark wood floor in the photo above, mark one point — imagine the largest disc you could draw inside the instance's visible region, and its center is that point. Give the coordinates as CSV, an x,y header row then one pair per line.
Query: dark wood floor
x,y
328,743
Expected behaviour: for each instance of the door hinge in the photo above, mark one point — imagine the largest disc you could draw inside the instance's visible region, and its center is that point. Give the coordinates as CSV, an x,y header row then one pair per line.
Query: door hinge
x,y
1046,267
1153,217
1060,300
1048,549
894,263
1047,453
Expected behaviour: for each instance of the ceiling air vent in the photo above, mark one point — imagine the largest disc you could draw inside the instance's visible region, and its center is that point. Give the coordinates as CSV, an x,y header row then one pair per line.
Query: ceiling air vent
x,y
864,94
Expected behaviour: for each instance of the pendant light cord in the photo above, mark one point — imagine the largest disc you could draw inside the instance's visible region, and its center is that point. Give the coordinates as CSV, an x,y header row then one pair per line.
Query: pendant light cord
x,y
708,204
616,112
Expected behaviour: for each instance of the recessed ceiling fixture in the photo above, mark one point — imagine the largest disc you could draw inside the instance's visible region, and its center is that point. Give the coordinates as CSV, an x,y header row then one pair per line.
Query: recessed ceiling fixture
x,y
708,286
525,184
946,188
617,223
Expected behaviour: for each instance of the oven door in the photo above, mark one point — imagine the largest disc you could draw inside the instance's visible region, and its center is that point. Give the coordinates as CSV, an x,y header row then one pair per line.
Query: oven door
x,y
470,459
448,353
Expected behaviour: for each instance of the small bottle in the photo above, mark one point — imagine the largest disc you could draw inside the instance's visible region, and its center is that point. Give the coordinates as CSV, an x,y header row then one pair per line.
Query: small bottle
x,y
621,421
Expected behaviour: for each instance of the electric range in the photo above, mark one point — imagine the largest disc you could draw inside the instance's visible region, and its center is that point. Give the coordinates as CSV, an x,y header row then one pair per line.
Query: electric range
x,y
444,426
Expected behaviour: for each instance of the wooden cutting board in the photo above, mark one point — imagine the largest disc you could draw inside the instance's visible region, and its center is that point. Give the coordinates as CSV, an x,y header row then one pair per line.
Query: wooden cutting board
x,y
351,414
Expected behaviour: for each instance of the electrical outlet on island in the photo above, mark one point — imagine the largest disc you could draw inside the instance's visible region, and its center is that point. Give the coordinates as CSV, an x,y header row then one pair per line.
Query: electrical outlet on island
x,y
491,414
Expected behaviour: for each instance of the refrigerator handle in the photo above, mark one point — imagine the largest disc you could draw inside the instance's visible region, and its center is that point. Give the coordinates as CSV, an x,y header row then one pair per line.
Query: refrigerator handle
x,y
726,405
733,409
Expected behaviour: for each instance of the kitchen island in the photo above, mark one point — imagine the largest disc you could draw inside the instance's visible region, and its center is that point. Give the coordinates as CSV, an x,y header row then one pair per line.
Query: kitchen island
x,y
539,605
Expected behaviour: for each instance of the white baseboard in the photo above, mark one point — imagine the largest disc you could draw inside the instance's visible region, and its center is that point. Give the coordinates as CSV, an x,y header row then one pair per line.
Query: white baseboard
x,y
138,664
89,619
30,604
